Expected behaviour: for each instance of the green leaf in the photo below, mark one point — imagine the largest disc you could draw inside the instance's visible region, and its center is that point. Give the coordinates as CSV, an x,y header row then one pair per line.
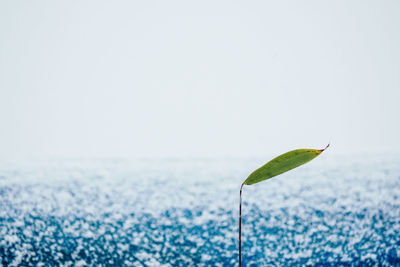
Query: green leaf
x,y
283,163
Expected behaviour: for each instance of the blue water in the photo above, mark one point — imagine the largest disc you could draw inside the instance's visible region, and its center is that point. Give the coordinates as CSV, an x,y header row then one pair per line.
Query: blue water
x,y
332,211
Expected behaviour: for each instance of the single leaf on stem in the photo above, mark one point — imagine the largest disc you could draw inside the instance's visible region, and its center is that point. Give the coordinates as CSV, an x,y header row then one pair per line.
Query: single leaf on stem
x,y
276,166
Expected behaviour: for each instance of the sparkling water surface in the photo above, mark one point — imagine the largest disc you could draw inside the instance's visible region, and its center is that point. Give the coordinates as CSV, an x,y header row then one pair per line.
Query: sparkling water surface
x,y
334,211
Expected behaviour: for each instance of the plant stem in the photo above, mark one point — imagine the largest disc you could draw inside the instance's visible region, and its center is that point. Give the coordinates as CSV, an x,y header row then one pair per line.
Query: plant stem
x,y
240,227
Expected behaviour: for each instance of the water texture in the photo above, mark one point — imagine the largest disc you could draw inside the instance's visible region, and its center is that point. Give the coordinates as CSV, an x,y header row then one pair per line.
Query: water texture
x,y
330,212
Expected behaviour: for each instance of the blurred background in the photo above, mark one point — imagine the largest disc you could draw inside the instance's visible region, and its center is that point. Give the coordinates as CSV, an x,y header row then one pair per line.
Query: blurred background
x,y
207,79
127,127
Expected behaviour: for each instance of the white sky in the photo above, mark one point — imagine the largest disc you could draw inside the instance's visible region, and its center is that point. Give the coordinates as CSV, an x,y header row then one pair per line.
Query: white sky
x,y
198,78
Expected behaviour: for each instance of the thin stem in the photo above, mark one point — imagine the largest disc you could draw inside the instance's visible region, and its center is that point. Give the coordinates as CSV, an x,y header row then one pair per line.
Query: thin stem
x,y
240,227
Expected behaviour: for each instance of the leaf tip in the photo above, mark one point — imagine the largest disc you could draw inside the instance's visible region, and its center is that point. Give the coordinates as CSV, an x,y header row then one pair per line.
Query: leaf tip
x,y
322,150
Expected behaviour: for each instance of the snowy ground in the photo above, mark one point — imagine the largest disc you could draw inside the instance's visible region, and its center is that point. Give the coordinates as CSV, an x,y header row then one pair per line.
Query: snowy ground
x,y
184,213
